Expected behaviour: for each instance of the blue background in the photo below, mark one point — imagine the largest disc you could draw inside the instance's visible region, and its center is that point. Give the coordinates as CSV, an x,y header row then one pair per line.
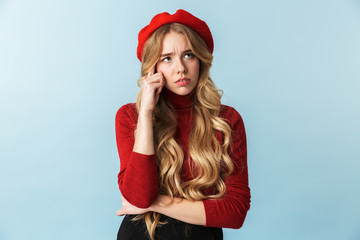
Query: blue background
x,y
291,68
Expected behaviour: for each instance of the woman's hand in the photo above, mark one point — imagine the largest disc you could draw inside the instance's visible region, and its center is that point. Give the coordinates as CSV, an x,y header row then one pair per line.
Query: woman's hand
x,y
144,135
128,208
151,89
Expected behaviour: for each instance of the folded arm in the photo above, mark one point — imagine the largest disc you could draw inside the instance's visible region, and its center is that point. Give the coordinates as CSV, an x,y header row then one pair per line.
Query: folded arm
x,y
138,176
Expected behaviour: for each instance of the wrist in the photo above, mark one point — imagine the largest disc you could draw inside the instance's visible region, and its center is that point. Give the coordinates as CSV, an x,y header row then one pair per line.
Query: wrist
x,y
154,206
145,112
159,203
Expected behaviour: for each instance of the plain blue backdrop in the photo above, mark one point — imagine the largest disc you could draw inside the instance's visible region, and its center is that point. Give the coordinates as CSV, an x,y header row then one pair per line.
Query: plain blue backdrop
x,y
291,68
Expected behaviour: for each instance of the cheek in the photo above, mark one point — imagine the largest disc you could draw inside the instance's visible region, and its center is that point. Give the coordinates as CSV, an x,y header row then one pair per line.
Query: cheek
x,y
195,68
164,70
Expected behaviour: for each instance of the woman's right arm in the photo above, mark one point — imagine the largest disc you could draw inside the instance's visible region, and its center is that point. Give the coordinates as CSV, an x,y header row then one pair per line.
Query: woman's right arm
x,y
144,135
138,177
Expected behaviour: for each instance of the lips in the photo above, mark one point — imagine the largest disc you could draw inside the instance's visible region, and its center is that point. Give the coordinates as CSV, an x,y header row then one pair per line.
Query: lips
x,y
183,82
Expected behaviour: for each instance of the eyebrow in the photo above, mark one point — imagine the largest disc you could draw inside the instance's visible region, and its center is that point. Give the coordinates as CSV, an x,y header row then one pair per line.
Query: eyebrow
x,y
169,54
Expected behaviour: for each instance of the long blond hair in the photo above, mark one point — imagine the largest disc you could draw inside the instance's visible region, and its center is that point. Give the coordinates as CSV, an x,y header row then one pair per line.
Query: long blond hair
x,y
210,157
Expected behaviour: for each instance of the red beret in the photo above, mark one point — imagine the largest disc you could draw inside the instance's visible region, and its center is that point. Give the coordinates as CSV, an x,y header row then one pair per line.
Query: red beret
x,y
181,16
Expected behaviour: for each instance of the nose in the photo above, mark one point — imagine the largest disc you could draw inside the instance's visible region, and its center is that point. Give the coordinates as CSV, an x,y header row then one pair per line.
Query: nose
x,y
181,67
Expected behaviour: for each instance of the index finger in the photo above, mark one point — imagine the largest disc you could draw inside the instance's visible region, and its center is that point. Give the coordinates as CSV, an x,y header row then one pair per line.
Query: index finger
x,y
152,71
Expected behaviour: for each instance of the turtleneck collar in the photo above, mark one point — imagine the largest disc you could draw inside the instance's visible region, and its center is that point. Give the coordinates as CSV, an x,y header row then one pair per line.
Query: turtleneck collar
x,y
179,101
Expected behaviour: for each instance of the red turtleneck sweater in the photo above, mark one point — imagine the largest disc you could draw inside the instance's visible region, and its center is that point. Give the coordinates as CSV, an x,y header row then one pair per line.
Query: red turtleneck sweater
x,y
138,176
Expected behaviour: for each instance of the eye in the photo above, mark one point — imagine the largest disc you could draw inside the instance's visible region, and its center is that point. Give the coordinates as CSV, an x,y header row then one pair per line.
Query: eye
x,y
166,59
188,55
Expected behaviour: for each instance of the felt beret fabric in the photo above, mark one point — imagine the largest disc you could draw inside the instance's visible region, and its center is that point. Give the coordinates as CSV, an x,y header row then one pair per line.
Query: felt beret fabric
x,y
181,16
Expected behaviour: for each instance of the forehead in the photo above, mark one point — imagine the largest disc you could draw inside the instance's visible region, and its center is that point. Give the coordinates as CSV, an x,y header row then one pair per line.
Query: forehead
x,y
174,41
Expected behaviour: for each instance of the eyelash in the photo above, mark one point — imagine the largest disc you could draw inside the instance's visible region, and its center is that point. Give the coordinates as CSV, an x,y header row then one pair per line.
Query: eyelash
x,y
165,58
190,55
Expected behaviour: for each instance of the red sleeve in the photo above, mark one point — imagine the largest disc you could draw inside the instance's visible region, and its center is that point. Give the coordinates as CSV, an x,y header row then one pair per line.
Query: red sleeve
x,y
138,176
230,210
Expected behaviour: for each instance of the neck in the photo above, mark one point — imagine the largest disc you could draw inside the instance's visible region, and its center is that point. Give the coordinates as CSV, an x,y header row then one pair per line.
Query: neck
x,y
179,101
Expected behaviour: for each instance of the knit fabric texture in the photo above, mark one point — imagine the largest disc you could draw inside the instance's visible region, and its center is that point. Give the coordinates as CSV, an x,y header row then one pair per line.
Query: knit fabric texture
x,y
138,176
181,16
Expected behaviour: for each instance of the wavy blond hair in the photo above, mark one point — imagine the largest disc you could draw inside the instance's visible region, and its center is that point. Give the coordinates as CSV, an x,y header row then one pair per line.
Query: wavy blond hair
x,y
211,160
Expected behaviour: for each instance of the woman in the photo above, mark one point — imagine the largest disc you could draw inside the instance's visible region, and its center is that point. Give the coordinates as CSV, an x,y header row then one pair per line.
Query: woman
x,y
183,171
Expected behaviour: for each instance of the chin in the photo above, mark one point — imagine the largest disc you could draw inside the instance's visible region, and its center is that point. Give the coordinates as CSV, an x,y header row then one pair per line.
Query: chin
x,y
183,91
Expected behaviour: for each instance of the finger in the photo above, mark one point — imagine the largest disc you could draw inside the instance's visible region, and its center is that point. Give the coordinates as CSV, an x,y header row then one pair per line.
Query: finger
x,y
159,90
152,71
152,79
155,75
157,87
163,80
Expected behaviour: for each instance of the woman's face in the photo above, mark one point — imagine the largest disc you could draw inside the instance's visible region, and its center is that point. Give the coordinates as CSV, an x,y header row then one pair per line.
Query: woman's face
x,y
178,64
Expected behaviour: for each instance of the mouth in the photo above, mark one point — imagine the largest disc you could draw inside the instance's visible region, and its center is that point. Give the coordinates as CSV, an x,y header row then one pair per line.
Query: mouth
x,y
182,81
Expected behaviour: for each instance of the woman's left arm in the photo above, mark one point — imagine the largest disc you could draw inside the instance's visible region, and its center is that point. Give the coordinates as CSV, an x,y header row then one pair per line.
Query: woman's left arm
x,y
181,209
230,211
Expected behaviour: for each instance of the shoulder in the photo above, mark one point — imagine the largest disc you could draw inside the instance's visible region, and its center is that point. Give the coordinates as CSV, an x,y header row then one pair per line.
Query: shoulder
x,y
230,114
127,112
236,123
